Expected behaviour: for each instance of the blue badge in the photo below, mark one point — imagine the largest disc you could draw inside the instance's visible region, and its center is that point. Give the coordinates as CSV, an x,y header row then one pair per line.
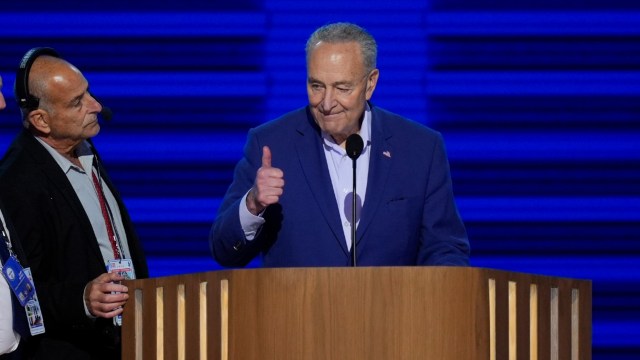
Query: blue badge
x,y
18,280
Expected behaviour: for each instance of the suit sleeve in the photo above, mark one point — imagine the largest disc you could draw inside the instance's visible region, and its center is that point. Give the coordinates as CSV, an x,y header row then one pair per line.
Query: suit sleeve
x,y
443,235
227,241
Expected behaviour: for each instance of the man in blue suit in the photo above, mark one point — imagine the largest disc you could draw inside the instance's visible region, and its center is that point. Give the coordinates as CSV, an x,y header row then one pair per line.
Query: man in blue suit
x,y
291,197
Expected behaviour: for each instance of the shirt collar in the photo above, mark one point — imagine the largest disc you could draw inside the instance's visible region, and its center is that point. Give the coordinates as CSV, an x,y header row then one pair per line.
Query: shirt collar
x,y
365,133
84,152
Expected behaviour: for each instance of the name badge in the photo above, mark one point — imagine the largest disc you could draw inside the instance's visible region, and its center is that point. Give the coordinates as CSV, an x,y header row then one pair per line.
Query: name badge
x,y
125,268
18,281
33,311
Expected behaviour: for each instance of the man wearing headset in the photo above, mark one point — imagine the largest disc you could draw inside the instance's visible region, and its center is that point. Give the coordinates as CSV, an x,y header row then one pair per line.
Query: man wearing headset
x,y
72,223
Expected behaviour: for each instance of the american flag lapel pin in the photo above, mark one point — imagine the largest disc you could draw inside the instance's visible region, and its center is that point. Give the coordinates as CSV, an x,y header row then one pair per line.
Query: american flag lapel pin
x,y
386,153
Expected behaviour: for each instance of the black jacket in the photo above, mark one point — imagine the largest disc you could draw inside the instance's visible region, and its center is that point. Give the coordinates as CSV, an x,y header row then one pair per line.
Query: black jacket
x,y
61,248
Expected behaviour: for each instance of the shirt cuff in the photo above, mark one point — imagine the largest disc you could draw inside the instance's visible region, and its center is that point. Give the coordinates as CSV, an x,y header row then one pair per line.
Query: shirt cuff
x,y
250,223
86,309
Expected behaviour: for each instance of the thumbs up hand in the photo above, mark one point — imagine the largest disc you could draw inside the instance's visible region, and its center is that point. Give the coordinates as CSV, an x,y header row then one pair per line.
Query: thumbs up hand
x,y
268,186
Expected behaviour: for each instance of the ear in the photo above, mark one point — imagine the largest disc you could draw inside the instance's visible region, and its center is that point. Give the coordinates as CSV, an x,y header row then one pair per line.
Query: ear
x,y
39,120
372,80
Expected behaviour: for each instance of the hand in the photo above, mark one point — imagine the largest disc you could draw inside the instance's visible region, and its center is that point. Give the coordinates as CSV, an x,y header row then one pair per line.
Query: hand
x,y
268,187
103,297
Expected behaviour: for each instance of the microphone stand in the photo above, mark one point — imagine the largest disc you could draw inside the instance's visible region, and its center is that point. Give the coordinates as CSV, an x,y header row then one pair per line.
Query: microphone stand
x,y
353,217
354,147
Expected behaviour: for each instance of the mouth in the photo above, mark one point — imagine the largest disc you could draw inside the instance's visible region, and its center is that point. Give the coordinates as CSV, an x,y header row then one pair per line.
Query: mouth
x,y
92,122
329,116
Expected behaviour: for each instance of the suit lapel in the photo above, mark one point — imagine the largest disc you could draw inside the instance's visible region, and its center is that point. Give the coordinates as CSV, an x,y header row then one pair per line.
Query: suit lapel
x,y
51,171
309,149
379,168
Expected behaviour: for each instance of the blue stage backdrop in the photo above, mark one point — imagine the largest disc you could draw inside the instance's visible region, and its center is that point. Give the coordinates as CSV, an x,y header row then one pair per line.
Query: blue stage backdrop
x,y
538,102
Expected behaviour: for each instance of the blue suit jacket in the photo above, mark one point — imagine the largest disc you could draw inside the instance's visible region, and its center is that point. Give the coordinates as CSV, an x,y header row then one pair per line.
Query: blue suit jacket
x,y
409,216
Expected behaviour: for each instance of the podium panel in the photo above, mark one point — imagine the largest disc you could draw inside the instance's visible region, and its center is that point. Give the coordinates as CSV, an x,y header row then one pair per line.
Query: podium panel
x,y
358,313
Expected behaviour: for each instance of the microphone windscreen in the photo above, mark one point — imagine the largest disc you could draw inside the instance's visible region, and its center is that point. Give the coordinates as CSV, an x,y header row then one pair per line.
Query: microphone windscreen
x,y
354,146
106,113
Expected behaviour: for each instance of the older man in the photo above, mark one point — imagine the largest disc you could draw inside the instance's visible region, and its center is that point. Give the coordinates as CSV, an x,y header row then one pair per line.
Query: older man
x,y
70,219
291,199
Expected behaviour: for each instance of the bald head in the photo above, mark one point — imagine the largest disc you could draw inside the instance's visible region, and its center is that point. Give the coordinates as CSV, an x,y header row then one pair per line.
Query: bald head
x,y
66,113
50,74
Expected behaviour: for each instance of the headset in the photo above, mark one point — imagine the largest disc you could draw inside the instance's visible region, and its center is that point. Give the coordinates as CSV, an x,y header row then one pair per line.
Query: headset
x,y
25,100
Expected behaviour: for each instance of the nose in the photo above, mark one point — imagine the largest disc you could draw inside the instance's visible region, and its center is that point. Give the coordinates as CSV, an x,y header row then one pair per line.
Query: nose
x,y
3,103
94,104
328,100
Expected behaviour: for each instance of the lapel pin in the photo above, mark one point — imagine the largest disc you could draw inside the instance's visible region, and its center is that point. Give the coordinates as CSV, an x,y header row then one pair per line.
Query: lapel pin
x,y
386,153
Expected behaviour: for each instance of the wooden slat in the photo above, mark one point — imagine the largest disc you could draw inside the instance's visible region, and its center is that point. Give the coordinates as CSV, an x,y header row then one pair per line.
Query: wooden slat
x,y
575,324
202,320
533,322
492,319
181,321
224,319
160,322
138,324
554,322
513,319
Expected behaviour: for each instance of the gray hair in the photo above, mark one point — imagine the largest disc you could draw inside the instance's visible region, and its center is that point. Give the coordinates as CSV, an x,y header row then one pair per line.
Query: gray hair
x,y
343,32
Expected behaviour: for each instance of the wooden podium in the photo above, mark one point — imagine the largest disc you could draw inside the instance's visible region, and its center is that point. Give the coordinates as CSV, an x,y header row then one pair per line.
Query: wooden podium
x,y
358,313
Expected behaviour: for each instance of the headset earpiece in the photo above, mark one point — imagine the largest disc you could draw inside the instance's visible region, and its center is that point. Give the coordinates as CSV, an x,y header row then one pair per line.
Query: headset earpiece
x,y
21,88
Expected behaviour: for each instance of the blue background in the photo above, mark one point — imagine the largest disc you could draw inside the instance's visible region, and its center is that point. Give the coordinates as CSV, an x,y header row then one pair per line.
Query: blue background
x,y
538,102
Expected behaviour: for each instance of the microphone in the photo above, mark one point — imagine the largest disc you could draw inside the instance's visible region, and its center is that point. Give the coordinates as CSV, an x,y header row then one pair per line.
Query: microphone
x,y
106,113
354,148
